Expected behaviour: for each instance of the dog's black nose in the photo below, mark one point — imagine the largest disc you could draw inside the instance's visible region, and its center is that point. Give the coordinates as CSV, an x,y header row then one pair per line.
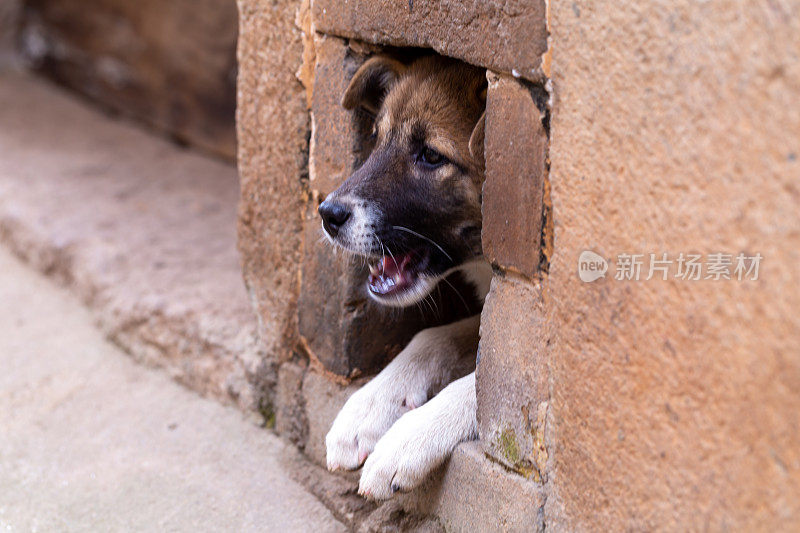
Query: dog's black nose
x,y
334,215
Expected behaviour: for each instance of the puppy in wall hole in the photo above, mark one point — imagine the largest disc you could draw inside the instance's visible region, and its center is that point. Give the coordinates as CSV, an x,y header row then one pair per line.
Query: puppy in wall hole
x,y
413,210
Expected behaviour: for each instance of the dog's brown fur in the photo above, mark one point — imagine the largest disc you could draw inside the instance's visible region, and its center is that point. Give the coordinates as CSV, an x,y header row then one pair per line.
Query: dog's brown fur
x,y
433,103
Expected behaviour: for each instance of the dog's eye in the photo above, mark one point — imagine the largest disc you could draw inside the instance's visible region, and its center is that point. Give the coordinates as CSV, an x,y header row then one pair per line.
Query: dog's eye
x,y
431,158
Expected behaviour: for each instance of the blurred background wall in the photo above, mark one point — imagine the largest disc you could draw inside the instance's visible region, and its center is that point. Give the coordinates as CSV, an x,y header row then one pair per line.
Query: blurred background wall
x,y
9,22
169,64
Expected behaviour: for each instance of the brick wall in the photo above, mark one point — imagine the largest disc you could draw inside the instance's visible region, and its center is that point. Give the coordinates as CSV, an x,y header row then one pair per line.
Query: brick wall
x,y
610,405
339,333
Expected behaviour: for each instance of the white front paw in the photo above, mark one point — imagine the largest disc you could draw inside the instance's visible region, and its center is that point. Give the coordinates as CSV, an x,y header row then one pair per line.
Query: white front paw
x,y
420,441
401,459
363,420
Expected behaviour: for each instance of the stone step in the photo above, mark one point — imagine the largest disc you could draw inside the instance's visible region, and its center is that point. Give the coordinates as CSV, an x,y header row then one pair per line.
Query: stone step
x,y
141,229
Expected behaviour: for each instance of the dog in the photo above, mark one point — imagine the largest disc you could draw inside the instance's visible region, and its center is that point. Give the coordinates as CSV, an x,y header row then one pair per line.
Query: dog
x,y
413,210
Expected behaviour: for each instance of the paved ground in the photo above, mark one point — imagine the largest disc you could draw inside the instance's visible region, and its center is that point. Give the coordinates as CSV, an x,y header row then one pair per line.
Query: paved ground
x,y
90,441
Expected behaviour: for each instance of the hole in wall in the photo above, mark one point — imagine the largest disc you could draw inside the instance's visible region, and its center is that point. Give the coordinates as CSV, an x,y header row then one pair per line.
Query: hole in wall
x,y
369,334
454,297
451,299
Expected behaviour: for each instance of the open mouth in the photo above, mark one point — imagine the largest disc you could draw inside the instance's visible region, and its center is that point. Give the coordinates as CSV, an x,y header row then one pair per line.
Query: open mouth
x,y
395,275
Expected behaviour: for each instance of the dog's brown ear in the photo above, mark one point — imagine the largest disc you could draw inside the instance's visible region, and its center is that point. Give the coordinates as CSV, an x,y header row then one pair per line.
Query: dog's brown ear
x,y
371,82
477,138
483,88
479,131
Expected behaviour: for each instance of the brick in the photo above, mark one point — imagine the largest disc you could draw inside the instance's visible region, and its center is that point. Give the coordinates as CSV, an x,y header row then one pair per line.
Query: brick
x,y
333,135
290,416
272,122
323,399
516,152
511,423
507,36
472,493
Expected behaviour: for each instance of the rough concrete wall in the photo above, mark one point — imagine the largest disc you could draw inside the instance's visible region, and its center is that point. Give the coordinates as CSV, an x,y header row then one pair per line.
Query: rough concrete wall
x,y
170,64
676,128
273,126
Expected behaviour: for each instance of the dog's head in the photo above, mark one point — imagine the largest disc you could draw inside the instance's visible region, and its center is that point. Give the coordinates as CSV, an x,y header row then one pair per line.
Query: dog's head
x,y
414,207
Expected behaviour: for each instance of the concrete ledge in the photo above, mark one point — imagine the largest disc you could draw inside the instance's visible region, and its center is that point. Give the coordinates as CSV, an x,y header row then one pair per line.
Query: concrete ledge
x,y
142,230
470,493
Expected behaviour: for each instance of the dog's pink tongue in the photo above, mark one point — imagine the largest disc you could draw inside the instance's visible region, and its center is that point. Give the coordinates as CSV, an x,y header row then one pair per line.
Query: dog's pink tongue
x,y
389,275
389,266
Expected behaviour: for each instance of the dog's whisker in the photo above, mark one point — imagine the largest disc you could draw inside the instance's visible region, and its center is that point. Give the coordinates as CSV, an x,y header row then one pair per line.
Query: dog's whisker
x,y
429,304
383,252
434,305
457,293
389,250
436,302
421,309
402,228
